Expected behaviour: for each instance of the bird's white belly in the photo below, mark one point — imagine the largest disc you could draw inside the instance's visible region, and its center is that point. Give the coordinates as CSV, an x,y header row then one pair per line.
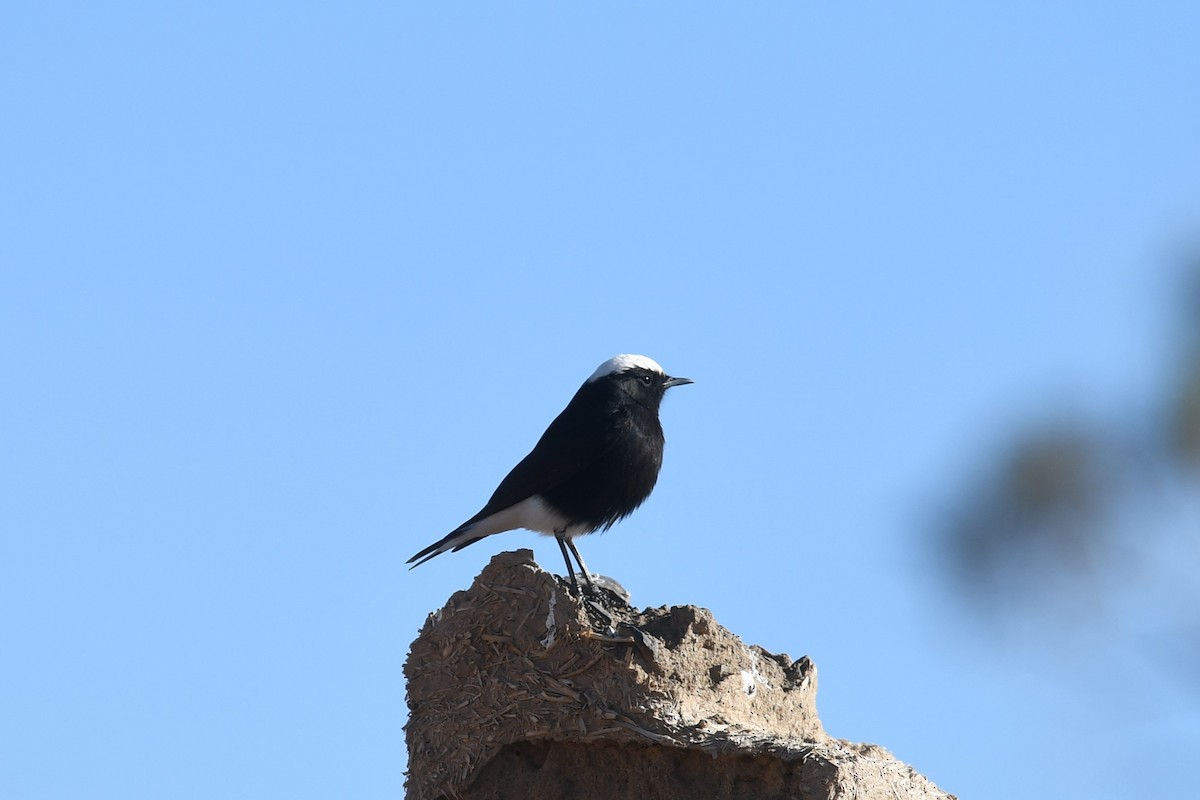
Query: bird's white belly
x,y
532,514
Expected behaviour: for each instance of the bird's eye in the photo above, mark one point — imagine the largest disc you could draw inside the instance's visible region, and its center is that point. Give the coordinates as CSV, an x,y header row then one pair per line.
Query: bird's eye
x,y
646,379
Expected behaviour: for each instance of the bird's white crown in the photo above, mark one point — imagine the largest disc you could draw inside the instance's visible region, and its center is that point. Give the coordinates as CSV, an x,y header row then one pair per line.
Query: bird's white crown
x,y
623,362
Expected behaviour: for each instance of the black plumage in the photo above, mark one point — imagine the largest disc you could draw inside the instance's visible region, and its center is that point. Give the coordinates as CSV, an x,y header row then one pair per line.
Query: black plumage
x,y
596,463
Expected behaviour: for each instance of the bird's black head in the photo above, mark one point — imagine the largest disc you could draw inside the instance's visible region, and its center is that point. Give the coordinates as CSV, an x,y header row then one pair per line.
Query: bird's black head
x,y
636,379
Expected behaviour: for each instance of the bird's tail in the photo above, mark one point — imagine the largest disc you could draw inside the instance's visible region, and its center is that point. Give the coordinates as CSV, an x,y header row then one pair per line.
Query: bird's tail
x,y
456,540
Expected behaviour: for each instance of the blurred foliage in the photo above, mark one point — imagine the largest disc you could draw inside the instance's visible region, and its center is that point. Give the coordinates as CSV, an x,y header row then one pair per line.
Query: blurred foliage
x,y
1186,418
1184,434
1042,507
1073,514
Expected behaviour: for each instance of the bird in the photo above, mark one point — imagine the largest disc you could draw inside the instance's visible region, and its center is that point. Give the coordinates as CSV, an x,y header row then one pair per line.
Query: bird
x,y
596,463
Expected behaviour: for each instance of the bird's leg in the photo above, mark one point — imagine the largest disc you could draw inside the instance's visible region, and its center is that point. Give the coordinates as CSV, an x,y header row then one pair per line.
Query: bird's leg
x,y
562,545
587,577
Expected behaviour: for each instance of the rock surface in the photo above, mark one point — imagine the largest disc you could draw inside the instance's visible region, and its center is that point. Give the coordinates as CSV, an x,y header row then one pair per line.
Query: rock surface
x,y
518,689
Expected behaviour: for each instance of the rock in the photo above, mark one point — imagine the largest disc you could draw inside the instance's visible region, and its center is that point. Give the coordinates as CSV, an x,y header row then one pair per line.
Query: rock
x,y
518,689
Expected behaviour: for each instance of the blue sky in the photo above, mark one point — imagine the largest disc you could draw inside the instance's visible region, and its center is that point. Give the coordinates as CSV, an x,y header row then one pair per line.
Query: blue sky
x,y
285,289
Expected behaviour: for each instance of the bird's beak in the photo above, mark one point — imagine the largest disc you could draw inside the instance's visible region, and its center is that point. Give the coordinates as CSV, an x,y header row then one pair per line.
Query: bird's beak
x,y
669,382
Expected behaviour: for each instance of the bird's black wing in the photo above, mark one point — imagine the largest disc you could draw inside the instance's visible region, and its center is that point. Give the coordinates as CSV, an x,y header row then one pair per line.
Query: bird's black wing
x,y
577,438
